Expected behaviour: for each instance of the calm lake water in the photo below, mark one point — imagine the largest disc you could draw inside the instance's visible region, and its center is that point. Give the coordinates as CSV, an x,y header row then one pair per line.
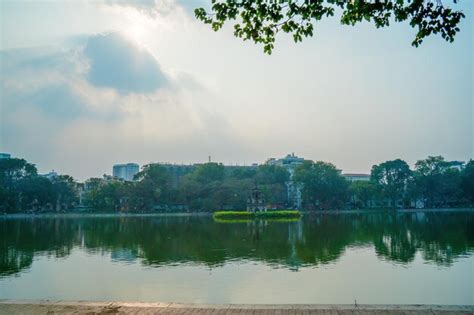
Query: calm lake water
x,y
424,257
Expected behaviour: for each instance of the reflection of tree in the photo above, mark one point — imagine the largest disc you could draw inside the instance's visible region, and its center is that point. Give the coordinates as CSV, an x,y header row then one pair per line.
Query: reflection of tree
x,y
440,238
12,261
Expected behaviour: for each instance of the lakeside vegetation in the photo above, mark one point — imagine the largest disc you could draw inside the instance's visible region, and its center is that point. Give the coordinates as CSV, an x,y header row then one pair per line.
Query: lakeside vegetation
x,y
433,183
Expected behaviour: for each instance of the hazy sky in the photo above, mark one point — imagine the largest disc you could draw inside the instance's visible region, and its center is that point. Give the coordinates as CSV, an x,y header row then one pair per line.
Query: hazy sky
x,y
86,84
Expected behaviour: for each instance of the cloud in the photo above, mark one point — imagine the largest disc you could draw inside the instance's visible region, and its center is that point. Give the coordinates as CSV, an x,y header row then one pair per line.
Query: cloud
x,y
151,8
119,64
81,110
142,5
160,8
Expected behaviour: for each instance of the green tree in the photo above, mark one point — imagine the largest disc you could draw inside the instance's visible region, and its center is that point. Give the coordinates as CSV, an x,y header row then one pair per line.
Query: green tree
x,y
392,178
242,172
323,185
208,172
105,196
13,172
436,183
65,191
467,181
271,174
35,192
271,180
261,20
154,186
364,194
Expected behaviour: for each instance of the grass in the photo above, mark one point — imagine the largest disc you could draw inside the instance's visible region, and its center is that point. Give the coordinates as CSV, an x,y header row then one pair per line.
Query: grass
x,y
234,221
244,215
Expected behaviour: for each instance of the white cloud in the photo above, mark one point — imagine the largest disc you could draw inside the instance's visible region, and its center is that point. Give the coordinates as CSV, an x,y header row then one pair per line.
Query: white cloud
x,y
353,96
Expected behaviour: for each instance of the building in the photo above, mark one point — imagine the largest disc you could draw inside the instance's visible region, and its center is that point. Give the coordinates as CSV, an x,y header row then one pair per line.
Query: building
x,y
458,165
5,156
356,177
51,175
125,171
290,162
293,190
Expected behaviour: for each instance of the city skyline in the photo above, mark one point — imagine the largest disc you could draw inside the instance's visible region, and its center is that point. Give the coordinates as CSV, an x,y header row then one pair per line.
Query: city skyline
x,y
115,170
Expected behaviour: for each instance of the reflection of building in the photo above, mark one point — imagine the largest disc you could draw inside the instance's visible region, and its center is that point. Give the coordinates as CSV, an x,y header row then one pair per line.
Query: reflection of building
x,y
125,255
354,177
5,156
290,162
295,237
125,171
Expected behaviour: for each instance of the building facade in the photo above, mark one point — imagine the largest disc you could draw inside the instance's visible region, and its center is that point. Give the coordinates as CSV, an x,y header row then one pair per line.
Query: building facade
x,y
5,156
293,189
356,177
125,171
51,175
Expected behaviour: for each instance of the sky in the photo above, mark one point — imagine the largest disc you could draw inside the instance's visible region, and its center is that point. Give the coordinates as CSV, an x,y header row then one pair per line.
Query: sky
x,y
88,84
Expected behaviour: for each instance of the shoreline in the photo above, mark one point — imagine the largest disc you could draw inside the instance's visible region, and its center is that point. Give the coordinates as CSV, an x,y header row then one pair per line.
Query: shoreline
x,y
85,307
77,215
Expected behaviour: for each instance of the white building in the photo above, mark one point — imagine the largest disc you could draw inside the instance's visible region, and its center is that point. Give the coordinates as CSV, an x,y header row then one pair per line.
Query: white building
x,y
458,165
5,156
51,175
356,177
290,162
125,171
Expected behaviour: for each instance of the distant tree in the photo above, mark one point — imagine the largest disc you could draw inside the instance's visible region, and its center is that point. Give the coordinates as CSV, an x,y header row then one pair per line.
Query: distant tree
x,y
13,172
261,20
271,180
153,186
35,192
242,172
65,190
14,169
467,181
363,193
392,178
323,185
208,172
271,174
436,183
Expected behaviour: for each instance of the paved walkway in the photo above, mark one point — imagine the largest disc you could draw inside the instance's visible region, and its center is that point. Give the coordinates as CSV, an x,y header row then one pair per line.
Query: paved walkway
x,y
90,308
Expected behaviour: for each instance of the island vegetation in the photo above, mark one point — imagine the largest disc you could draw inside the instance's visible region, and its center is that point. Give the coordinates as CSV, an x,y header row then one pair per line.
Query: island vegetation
x,y
433,183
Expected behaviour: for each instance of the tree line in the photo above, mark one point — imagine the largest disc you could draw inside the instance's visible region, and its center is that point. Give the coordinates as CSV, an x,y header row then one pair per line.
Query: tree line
x,y
433,183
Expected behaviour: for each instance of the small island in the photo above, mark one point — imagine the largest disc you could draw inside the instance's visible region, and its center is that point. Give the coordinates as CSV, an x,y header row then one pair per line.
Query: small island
x,y
256,209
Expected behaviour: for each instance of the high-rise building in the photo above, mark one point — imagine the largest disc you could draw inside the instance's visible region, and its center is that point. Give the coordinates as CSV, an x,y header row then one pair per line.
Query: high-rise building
x,y
5,156
125,171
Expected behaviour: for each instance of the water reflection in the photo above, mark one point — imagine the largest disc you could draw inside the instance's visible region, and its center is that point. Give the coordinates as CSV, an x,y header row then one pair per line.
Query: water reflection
x,y
440,238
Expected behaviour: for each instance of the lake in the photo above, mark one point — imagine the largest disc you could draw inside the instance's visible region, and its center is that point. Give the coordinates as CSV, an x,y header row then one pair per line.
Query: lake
x,y
374,258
